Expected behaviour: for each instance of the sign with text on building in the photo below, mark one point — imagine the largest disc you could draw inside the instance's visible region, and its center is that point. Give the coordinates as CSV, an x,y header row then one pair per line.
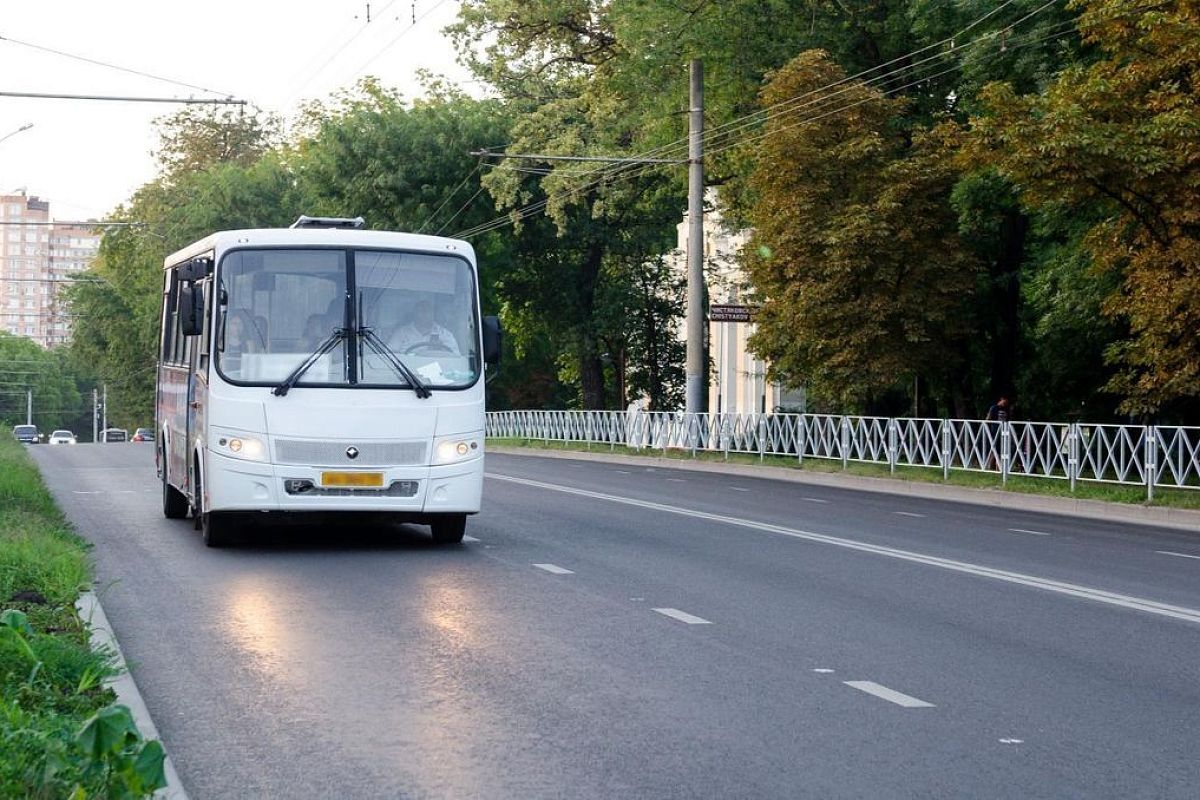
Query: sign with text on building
x,y
731,313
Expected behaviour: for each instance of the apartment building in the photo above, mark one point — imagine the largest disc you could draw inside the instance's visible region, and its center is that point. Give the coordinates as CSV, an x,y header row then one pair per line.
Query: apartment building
x,y
37,258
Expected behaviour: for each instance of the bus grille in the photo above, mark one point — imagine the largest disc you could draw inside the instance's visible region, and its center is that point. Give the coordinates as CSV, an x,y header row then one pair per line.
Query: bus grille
x,y
370,454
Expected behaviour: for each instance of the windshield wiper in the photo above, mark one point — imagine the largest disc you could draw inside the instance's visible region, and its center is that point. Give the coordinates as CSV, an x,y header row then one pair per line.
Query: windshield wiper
x,y
325,346
403,369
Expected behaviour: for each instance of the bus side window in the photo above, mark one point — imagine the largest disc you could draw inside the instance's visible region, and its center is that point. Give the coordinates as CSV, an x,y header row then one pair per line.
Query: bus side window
x,y
170,316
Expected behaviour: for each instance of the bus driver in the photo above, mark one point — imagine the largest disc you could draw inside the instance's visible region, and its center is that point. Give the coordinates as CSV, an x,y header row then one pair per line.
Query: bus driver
x,y
423,332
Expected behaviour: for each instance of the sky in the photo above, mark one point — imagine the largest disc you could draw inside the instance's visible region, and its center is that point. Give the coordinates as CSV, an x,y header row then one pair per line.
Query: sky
x,y
87,157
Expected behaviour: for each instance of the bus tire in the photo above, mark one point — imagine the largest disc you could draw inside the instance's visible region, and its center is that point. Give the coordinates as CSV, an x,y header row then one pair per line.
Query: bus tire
x,y
175,504
448,528
217,529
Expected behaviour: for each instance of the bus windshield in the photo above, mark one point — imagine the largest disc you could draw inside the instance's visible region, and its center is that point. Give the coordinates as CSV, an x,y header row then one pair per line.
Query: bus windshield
x,y
279,306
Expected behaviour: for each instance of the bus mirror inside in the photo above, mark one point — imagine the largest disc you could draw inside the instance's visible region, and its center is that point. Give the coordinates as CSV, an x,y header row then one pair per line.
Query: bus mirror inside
x,y
492,336
191,310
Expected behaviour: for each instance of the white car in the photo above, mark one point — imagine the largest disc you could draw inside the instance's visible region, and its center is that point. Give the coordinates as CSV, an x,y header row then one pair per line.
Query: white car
x,y
62,437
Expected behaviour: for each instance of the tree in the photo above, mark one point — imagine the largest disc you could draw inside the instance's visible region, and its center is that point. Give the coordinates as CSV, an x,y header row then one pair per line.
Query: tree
x,y
855,255
25,367
1121,137
199,137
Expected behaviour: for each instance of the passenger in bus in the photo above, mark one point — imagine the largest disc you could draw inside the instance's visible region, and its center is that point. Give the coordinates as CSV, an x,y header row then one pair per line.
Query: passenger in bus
x,y
423,333
316,331
239,337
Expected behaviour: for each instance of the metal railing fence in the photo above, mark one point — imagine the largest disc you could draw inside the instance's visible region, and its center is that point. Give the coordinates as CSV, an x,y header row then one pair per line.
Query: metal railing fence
x,y
1130,455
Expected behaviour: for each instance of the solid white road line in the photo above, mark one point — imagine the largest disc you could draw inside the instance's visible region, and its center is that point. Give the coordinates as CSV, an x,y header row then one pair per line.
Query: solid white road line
x,y
470,539
1024,530
554,569
683,616
1059,587
1172,553
891,695
908,514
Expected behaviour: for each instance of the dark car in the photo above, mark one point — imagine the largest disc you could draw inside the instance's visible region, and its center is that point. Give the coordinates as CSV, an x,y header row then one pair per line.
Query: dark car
x,y
114,435
26,434
142,435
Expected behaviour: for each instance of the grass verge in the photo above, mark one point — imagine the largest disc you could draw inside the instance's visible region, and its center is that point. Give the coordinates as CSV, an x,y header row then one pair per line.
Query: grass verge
x,y
61,736
1134,495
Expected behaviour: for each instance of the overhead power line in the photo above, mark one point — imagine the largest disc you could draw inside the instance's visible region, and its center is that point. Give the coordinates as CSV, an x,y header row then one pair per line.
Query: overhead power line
x,y
116,67
126,99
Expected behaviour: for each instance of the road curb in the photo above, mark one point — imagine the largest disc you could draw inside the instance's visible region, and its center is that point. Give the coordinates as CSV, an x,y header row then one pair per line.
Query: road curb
x,y
1160,516
92,613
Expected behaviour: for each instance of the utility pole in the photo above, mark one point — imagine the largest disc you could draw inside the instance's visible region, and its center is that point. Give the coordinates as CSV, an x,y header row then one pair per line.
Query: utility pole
x,y
29,406
95,414
104,411
696,399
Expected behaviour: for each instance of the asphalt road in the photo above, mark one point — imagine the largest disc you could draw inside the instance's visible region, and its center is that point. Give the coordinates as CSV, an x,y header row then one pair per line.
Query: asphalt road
x,y
619,631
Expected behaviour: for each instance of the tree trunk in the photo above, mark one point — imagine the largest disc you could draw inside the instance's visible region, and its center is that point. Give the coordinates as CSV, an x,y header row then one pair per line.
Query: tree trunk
x,y
1013,230
591,370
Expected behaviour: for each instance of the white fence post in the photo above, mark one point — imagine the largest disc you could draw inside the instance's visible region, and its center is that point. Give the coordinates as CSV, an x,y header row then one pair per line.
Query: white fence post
x,y
845,442
945,449
1151,460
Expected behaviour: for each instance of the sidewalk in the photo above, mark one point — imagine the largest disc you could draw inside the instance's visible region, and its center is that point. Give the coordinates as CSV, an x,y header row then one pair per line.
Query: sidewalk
x,y
1162,516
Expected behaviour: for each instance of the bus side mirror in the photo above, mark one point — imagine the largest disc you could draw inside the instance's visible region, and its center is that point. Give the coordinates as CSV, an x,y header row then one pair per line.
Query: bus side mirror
x,y
492,336
196,269
191,310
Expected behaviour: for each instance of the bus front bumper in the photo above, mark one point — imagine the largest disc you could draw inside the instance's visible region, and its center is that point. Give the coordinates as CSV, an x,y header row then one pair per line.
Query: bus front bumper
x,y
238,485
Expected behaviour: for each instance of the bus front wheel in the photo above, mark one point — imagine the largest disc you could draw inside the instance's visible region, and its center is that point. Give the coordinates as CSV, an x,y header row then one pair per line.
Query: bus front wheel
x,y
449,528
217,528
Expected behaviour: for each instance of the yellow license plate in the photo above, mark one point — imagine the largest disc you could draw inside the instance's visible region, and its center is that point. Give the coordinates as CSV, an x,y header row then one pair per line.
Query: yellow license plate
x,y
353,479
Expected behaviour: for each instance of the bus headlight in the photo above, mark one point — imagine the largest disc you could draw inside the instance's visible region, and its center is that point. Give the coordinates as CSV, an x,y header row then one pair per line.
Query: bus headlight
x,y
237,445
453,449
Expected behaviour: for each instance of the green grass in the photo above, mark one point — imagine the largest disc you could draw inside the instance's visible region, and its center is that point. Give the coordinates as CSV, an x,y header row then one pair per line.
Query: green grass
x,y
1175,498
52,699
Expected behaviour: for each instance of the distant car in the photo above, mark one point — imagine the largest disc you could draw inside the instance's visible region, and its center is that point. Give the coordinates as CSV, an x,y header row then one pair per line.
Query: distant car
x,y
62,437
114,435
26,434
143,435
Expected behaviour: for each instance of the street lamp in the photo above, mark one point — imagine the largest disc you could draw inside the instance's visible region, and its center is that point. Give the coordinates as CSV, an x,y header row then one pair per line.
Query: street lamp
x,y
24,127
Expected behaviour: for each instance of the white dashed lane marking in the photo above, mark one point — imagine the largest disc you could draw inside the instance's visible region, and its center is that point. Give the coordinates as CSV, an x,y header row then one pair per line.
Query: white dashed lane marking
x,y
622,472
470,539
822,670
683,616
908,514
1134,603
1178,555
814,500
677,480
891,695
1025,530
554,569
738,489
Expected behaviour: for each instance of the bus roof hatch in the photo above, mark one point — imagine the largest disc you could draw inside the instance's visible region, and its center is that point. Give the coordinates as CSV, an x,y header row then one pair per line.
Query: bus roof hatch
x,y
305,221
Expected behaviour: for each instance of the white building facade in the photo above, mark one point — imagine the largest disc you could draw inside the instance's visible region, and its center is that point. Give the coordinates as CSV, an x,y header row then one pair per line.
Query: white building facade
x,y
37,259
738,380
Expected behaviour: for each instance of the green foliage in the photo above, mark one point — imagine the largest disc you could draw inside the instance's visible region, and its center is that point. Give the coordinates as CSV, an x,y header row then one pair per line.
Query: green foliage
x,y
855,255
59,735
1121,137
26,367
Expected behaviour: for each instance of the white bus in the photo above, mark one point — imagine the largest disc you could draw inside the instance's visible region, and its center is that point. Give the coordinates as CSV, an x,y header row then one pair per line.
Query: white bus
x,y
322,368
